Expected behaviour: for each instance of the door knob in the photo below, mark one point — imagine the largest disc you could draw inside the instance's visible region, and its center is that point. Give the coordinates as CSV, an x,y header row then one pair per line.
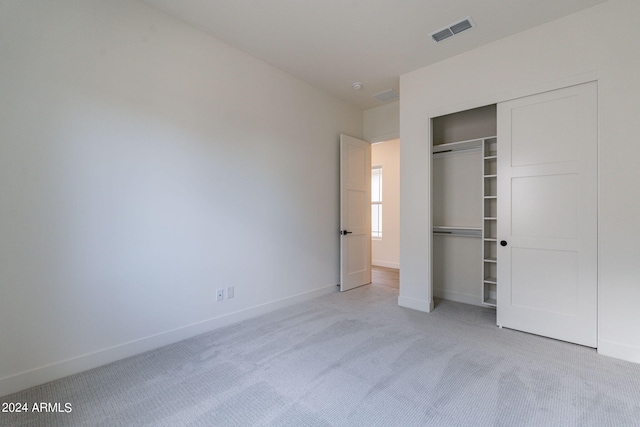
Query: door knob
x,y
345,232
503,243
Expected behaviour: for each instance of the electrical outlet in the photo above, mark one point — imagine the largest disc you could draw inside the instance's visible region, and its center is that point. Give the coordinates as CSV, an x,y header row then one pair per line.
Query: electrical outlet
x,y
230,292
220,295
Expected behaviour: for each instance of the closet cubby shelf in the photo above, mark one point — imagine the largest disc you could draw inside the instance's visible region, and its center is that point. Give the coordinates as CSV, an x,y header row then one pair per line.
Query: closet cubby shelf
x,y
489,238
491,302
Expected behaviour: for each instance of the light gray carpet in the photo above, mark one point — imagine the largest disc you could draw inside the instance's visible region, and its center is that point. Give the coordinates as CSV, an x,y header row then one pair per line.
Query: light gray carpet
x,y
352,359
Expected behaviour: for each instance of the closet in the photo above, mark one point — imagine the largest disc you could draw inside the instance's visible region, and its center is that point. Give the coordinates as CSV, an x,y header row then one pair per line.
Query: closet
x,y
515,211
464,206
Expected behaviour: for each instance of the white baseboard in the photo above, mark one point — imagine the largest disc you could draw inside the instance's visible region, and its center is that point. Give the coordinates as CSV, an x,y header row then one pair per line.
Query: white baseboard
x,y
416,304
619,351
395,265
61,369
458,297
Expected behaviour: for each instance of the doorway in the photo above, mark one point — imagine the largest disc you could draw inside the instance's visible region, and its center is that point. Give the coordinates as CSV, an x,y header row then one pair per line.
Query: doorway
x,y
385,215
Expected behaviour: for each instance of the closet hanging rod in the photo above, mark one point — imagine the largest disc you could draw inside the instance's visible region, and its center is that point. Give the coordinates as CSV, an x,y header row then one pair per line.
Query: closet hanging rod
x,y
459,145
458,231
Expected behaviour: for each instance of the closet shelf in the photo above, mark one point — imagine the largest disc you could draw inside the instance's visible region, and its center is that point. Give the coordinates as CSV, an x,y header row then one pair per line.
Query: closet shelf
x,y
490,259
491,301
490,279
457,146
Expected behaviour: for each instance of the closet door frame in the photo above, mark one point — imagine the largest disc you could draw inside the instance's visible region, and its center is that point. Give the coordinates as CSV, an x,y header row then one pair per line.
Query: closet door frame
x,y
472,103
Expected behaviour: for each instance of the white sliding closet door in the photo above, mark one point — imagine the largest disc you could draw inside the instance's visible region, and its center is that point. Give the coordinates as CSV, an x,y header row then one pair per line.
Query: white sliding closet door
x,y
547,214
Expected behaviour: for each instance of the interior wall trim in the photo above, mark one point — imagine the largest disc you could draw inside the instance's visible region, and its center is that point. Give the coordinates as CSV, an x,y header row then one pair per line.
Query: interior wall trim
x,y
61,369
619,351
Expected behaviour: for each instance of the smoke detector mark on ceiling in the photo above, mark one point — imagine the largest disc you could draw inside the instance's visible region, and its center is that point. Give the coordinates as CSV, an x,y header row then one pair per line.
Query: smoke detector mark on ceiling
x,y
453,29
387,95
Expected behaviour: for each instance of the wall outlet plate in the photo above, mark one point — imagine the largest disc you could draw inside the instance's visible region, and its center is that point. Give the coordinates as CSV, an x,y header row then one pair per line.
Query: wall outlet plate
x,y
220,295
230,292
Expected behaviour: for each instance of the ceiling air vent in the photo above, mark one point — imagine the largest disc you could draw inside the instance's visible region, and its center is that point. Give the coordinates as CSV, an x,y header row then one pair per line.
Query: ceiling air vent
x,y
453,29
387,95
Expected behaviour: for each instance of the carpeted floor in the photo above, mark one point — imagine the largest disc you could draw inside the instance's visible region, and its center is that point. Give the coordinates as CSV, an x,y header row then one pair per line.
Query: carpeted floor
x,y
351,359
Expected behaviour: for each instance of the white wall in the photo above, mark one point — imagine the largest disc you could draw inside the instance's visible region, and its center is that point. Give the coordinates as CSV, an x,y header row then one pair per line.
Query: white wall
x,y
600,42
385,252
382,123
143,165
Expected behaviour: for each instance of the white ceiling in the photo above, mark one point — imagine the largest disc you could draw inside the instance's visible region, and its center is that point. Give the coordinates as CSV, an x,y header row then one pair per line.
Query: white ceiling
x,y
334,43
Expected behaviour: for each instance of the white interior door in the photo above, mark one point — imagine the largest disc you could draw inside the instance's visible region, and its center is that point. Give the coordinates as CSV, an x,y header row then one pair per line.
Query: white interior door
x,y
355,212
547,214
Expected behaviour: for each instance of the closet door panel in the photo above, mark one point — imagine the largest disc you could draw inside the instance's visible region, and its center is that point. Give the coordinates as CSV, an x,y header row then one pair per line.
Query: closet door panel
x,y
547,210
532,285
560,215
555,142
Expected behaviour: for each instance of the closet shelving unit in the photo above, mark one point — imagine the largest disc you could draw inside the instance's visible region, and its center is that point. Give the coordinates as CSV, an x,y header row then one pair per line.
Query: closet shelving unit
x,y
489,231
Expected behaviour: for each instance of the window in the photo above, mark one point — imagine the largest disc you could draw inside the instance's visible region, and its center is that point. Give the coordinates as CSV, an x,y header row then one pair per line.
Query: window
x,y
376,202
